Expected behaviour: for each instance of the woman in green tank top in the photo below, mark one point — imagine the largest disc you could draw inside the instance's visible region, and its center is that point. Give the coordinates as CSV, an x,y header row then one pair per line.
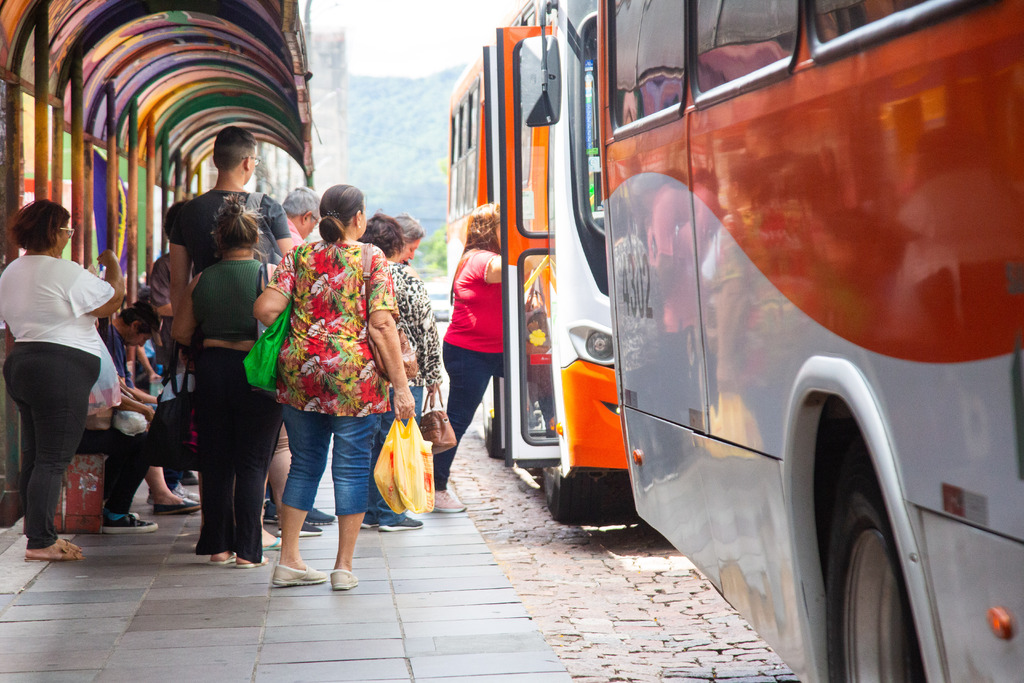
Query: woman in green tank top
x,y
237,427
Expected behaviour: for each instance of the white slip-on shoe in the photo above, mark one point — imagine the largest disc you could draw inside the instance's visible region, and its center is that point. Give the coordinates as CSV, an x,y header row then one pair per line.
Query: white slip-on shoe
x,y
287,576
343,580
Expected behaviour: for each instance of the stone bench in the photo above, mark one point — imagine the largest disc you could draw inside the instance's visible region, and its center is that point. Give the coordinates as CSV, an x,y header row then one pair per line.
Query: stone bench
x,y
80,508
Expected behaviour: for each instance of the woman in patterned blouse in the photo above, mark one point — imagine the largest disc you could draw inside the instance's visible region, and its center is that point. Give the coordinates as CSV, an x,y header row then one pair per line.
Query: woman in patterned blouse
x,y
326,377
416,319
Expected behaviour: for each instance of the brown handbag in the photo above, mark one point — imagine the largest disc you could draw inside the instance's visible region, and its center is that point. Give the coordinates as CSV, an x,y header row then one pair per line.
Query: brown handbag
x,y
436,428
412,367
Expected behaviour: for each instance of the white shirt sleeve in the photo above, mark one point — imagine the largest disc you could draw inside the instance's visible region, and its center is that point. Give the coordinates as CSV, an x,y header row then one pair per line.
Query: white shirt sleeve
x,y
87,293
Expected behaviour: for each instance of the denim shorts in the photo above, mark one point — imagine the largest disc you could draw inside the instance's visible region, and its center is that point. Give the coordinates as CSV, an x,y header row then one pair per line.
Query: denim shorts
x,y
309,438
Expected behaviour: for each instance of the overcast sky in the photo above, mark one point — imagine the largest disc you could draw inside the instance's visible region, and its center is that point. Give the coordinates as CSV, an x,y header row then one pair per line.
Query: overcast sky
x,y
410,37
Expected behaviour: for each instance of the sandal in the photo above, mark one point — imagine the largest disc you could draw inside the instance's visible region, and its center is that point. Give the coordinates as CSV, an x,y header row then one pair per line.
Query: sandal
x,y
230,559
252,565
69,552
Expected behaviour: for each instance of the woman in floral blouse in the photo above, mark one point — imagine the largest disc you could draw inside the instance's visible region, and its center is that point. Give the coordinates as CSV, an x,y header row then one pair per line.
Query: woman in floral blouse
x,y
326,377
416,319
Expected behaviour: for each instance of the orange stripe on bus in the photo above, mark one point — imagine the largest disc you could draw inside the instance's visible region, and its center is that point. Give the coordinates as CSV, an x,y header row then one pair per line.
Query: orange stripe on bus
x,y
595,432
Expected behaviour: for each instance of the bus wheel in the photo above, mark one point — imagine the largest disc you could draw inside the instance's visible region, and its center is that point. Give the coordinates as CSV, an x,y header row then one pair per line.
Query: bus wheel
x,y
871,634
492,435
583,498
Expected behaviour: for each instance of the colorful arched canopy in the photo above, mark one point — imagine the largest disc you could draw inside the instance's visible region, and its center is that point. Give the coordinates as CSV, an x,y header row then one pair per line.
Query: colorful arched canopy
x,y
188,64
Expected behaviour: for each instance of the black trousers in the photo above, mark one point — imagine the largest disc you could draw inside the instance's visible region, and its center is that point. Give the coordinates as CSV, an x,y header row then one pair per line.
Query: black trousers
x,y
237,430
124,469
50,384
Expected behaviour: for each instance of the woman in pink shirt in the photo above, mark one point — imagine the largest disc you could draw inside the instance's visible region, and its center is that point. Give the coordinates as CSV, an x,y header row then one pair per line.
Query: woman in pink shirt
x,y
473,344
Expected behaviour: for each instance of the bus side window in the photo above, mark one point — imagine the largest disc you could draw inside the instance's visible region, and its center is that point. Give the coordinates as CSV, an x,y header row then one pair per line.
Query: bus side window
x,y
648,63
737,37
833,18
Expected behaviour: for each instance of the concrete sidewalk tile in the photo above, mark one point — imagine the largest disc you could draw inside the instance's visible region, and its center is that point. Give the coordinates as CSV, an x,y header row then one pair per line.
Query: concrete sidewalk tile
x,y
547,677
331,651
19,662
447,666
146,672
461,613
76,676
450,583
283,599
388,670
218,655
240,590
200,579
64,627
531,641
393,540
469,627
419,562
189,606
493,596
317,632
189,637
47,645
175,622
89,610
423,573
329,615
439,550
80,596
48,584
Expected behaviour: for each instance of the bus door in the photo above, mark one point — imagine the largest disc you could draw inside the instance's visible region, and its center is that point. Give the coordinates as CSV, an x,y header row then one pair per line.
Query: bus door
x,y
528,280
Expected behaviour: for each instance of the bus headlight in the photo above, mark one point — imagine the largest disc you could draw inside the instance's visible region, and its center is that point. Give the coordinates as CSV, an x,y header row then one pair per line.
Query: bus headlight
x,y
599,345
593,342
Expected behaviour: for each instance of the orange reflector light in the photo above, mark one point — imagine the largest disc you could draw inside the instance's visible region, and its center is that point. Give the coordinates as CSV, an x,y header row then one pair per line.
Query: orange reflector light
x,y
1001,622
558,428
638,456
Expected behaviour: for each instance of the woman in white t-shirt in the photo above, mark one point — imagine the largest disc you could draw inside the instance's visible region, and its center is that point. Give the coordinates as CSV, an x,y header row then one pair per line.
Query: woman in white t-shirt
x,y
50,306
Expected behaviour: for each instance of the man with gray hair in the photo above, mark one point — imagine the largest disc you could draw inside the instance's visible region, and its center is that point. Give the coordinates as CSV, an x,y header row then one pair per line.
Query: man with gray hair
x,y
302,206
413,233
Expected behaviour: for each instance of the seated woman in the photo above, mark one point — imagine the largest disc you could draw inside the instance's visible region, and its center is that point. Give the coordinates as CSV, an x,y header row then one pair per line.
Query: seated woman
x,y
126,467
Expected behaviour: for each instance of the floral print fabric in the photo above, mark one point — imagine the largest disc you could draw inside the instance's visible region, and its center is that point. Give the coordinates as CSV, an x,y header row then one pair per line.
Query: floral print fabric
x,y
325,364
417,321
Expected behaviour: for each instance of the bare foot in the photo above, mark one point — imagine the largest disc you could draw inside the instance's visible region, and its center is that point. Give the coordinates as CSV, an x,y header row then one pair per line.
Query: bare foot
x,y
220,557
268,538
61,551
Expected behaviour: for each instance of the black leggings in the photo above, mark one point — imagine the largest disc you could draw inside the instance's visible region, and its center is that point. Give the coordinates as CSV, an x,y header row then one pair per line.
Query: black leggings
x,y
50,384
237,429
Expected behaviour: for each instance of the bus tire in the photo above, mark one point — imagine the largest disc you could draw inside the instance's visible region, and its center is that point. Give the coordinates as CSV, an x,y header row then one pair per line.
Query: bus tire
x,y
871,634
492,436
583,498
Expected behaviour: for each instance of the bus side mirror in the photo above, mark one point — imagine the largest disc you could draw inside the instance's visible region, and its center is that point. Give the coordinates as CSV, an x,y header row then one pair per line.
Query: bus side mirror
x,y
539,79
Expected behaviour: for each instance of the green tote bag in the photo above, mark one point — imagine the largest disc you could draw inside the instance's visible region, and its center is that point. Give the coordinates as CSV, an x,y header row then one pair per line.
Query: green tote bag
x,y
261,361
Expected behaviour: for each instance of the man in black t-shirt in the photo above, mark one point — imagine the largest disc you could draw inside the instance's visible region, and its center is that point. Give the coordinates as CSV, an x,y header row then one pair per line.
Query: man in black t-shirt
x,y
191,236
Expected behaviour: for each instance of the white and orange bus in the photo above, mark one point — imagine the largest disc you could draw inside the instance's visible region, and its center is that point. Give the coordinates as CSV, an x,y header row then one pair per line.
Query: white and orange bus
x,y
815,222
557,408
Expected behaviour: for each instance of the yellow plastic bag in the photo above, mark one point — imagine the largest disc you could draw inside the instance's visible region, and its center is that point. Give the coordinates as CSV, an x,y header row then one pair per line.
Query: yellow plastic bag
x,y
405,470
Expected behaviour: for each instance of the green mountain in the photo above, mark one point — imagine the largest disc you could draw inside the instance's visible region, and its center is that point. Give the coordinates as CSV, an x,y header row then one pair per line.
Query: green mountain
x,y
398,143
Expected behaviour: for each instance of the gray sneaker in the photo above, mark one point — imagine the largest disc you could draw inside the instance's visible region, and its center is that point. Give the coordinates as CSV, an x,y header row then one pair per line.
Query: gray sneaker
x,y
183,493
404,524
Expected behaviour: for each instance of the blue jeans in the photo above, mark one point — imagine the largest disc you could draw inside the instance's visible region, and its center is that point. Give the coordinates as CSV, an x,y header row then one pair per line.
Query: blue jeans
x,y
468,373
377,511
309,439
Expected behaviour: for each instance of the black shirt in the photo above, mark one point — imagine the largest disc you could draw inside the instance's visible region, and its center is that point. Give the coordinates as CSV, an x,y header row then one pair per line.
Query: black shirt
x,y
194,225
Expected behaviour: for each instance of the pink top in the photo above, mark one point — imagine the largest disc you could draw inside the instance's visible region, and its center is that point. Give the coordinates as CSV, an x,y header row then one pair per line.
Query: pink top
x,y
476,316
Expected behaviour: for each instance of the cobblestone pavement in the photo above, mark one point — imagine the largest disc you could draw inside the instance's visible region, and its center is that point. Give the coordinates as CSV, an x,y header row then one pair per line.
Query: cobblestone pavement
x,y
615,603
